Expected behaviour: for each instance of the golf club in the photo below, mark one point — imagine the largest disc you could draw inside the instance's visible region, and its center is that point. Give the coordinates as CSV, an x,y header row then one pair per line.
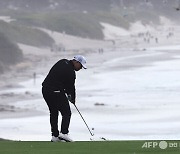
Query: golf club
x,y
84,120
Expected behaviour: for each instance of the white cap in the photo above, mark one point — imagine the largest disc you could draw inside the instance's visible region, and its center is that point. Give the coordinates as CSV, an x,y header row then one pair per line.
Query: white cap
x,y
81,59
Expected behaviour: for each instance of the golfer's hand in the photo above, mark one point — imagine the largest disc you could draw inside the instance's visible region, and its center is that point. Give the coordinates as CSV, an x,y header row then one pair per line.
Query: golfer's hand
x,y
70,99
73,101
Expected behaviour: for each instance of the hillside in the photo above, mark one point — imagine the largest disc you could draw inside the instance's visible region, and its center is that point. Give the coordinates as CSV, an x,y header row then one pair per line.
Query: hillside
x,y
11,34
83,17
25,35
80,18
10,53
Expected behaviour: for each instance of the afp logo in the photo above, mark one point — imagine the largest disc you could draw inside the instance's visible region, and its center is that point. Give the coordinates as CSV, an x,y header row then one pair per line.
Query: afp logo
x,y
161,144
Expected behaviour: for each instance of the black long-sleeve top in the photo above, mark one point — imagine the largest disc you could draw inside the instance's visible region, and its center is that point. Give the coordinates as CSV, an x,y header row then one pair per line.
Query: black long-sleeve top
x,y
62,77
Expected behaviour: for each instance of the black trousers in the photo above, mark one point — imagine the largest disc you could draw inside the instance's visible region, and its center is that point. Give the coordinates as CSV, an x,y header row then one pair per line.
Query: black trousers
x,y
57,101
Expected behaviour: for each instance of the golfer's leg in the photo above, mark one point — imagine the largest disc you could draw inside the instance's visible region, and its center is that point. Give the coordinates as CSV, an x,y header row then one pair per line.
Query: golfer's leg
x,y
51,100
66,114
54,122
66,117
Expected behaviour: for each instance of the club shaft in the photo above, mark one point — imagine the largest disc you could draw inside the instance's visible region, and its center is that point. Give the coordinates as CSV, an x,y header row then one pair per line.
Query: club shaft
x,y
83,120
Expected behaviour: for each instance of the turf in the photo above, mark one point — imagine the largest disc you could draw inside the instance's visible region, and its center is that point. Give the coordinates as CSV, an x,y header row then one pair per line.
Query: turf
x,y
97,147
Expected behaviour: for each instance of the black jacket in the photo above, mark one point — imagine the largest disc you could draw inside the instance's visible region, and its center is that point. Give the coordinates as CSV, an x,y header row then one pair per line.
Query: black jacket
x,y
62,77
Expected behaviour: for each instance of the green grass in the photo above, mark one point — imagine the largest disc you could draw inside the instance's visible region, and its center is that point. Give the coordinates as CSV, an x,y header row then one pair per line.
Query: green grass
x,y
103,147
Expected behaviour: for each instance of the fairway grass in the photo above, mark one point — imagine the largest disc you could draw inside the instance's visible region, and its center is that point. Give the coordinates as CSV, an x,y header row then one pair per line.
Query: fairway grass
x,y
94,147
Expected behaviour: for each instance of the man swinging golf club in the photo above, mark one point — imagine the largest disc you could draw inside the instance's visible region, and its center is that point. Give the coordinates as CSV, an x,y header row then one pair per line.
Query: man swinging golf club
x,y
59,83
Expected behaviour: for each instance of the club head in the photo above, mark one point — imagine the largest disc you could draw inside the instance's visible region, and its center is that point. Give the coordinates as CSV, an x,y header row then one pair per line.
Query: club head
x,y
98,139
103,138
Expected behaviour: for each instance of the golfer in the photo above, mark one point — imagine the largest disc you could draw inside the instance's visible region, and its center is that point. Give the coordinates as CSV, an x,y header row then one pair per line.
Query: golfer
x,y
58,89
